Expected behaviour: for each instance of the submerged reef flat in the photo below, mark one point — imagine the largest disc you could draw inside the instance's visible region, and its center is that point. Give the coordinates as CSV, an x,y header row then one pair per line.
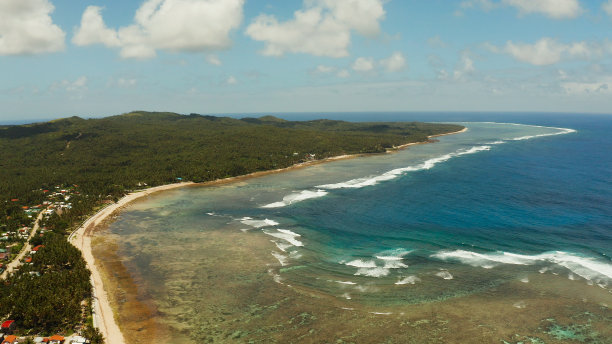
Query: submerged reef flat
x,y
224,292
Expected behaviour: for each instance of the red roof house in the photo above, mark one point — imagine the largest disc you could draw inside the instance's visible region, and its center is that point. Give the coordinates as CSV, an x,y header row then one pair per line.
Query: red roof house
x,y
35,249
8,326
10,340
55,339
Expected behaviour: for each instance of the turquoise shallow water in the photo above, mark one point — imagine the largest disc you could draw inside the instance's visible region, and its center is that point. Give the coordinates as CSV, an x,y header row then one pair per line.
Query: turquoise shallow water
x,y
470,212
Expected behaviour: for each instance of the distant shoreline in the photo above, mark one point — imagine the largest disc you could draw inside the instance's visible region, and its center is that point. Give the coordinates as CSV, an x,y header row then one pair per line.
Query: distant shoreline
x,y
104,317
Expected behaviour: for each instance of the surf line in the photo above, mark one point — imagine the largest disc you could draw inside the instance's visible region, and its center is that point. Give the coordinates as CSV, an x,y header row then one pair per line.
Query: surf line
x,y
323,190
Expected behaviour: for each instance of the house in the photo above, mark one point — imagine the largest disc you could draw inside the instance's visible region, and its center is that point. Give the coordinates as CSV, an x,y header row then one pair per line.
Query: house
x,y
10,340
56,339
8,326
78,340
35,249
4,256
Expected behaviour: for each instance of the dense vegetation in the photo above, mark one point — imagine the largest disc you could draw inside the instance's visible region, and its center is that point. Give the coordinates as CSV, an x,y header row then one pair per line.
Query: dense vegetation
x,y
98,160
109,155
46,295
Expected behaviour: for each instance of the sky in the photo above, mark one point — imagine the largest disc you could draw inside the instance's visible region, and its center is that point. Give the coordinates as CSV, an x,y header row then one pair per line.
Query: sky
x,y
93,58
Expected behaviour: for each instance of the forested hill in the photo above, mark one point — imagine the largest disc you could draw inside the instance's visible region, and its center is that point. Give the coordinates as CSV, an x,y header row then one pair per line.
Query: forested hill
x,y
110,155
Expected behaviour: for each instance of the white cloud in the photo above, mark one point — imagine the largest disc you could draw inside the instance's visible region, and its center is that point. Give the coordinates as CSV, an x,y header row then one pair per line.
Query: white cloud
x,y
557,9
80,84
394,63
321,28
436,42
483,4
363,64
26,28
231,80
465,67
122,82
213,59
343,73
607,7
581,88
93,29
171,25
321,69
548,51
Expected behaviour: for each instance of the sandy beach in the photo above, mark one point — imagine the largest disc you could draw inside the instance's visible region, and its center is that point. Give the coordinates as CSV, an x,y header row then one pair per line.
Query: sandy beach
x,y
104,318
81,238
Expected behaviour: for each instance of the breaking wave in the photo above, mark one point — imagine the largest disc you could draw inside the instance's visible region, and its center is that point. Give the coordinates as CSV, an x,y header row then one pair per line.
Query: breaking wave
x,y
426,165
296,197
286,235
588,268
258,223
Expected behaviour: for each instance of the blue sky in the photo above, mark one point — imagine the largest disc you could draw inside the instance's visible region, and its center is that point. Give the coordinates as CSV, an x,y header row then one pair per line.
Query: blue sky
x,y
93,58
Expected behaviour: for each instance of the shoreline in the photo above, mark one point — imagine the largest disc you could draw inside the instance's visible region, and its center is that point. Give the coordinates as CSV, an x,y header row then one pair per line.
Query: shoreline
x,y
400,147
103,313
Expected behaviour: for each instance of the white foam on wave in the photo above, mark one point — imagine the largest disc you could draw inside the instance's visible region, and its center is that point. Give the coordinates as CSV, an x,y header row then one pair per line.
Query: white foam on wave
x,y
258,223
408,280
562,131
286,235
395,254
372,272
426,165
585,267
296,197
444,274
394,264
282,259
358,263
282,246
346,282
393,258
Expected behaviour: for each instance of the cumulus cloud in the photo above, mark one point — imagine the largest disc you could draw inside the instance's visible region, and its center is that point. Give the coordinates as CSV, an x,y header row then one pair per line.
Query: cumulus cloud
x,y
80,84
343,73
321,69
557,9
363,64
464,67
213,60
607,7
123,82
26,28
93,29
171,25
548,51
394,63
231,80
580,88
321,28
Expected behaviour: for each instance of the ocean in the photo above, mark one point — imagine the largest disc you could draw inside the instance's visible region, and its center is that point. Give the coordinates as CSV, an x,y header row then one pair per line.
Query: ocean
x,y
515,212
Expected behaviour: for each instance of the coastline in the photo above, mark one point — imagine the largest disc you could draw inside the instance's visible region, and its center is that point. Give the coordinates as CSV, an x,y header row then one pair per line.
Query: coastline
x,y
400,147
104,316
